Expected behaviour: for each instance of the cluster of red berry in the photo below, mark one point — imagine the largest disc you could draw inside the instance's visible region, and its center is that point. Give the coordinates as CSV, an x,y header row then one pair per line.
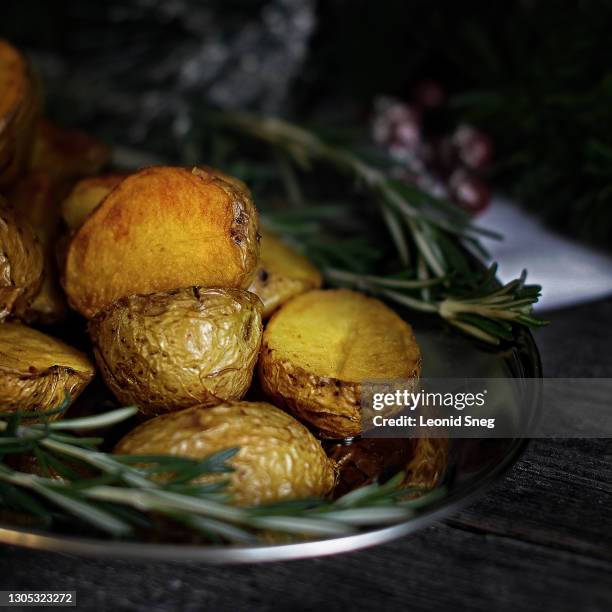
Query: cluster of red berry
x,y
449,165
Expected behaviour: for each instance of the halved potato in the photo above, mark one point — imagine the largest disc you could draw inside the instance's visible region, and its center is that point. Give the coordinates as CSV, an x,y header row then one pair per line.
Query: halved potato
x,y
66,155
85,197
159,229
20,105
282,273
37,371
21,262
319,348
279,458
167,351
37,197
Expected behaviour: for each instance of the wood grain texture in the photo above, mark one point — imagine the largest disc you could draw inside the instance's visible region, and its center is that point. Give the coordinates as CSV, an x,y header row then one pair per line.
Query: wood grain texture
x,y
539,540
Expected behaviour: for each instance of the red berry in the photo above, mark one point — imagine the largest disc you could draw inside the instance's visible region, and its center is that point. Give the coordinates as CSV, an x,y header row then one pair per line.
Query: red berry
x,y
469,191
474,148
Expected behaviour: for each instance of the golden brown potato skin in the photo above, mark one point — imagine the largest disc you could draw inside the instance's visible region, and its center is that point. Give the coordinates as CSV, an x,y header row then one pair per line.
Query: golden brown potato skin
x,y
20,106
85,196
36,370
319,348
167,351
162,228
365,460
282,274
36,197
21,263
279,459
429,463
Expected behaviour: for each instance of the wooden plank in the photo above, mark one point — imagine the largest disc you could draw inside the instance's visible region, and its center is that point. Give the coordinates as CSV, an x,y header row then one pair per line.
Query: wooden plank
x,y
439,568
559,495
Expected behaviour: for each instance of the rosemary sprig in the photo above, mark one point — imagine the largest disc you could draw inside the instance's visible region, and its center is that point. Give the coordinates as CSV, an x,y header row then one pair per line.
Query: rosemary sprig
x,y
487,315
435,241
118,494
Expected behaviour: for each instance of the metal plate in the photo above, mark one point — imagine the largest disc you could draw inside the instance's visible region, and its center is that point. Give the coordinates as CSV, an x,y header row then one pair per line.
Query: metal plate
x,y
475,464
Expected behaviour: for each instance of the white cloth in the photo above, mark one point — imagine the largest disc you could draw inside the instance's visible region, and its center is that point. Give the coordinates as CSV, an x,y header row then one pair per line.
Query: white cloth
x,y
569,272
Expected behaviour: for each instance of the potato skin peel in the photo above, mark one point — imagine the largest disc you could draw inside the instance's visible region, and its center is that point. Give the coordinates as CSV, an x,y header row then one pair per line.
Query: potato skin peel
x,y
279,459
21,263
424,461
330,402
36,370
282,274
159,229
170,350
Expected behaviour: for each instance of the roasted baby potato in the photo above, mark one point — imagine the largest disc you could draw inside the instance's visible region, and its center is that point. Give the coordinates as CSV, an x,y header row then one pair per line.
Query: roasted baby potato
x,y
167,351
89,192
429,462
37,371
319,348
366,460
20,106
67,155
21,263
37,197
282,273
85,197
279,458
159,229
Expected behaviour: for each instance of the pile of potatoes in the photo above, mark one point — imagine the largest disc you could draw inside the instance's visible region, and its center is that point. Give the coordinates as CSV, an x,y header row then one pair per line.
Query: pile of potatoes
x,y
176,279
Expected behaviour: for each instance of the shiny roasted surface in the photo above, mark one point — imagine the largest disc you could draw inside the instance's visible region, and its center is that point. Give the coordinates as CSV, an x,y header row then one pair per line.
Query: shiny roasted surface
x,y
167,351
366,460
320,346
37,370
282,273
279,458
21,262
160,229
37,198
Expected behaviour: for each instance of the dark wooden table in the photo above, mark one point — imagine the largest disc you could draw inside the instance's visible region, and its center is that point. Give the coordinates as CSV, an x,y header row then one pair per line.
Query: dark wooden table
x,y
539,540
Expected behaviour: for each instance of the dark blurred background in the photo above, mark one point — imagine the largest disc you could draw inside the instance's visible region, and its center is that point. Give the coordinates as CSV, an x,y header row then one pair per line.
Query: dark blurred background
x,y
536,77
